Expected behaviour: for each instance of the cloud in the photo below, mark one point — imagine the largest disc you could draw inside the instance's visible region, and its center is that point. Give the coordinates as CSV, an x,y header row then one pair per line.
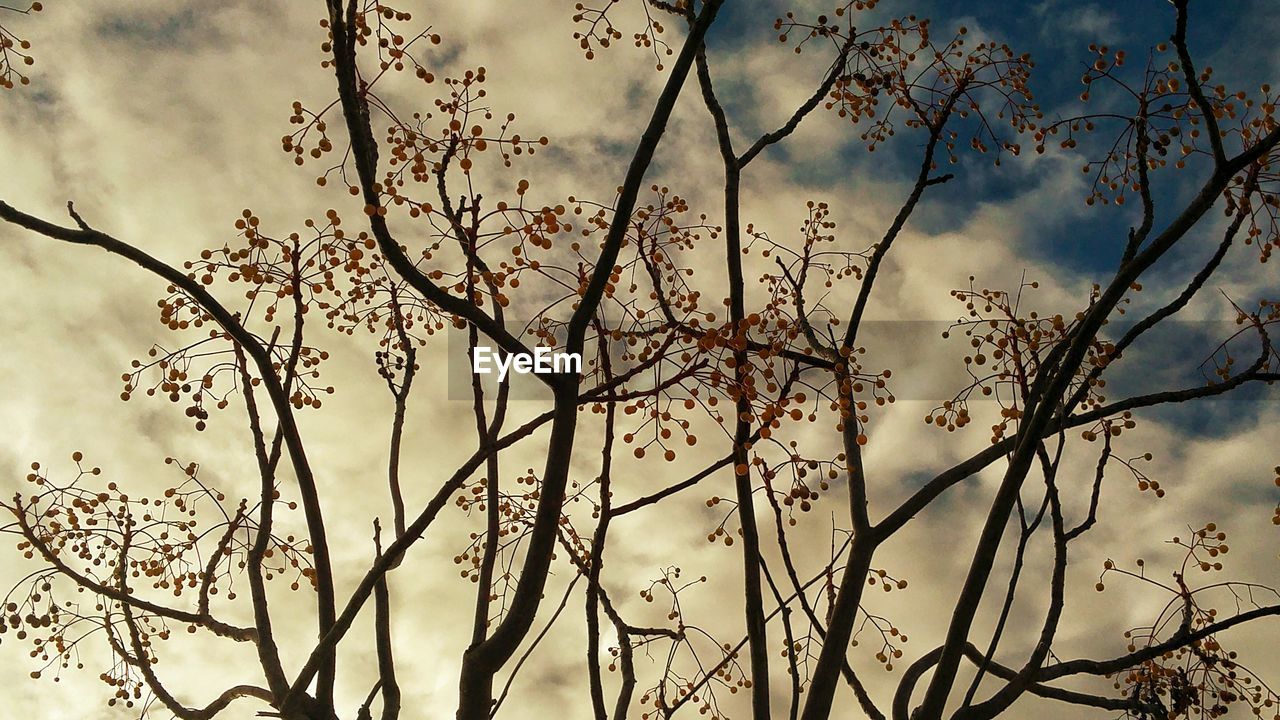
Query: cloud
x,y
1090,21
163,121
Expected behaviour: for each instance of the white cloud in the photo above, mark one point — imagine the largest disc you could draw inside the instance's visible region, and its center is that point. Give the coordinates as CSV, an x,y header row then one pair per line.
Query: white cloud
x,y
162,140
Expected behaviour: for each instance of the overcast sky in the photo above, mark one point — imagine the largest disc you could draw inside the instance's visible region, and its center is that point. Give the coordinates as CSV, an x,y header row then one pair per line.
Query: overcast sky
x,y
162,121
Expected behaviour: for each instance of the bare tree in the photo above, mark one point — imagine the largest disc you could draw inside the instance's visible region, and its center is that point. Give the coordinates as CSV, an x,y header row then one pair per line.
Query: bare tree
x,y
613,281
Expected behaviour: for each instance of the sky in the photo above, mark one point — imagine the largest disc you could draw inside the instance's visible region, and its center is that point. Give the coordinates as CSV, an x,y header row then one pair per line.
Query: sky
x,y
162,121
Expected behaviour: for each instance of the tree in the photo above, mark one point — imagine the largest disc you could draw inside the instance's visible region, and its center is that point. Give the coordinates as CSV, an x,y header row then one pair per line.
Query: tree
x,y
777,381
